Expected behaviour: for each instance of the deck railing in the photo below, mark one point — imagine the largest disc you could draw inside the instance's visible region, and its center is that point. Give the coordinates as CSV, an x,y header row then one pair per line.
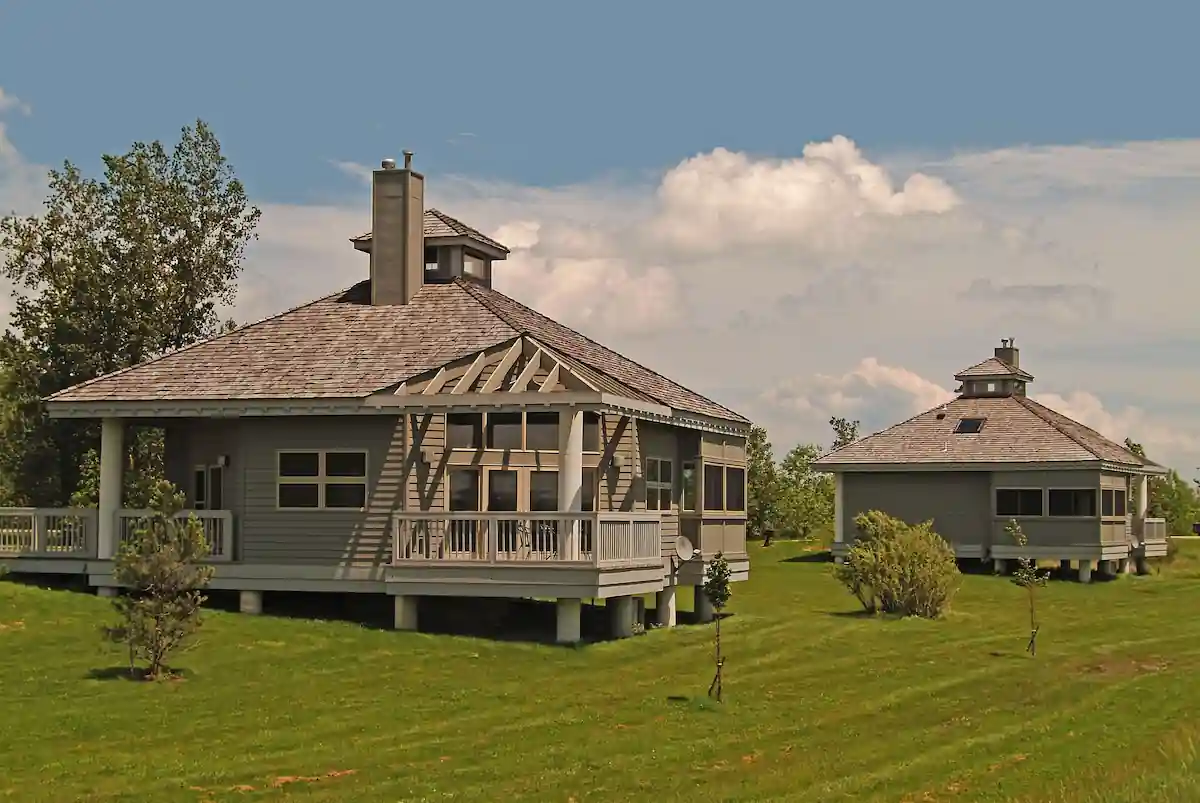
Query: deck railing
x,y
48,532
217,525
600,539
71,532
1150,529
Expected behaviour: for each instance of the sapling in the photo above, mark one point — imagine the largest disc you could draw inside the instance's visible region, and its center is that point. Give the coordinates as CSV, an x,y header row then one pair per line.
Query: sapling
x,y
716,588
1029,577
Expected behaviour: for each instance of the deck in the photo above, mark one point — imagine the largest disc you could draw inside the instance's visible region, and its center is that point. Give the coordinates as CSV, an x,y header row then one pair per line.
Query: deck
x,y
474,554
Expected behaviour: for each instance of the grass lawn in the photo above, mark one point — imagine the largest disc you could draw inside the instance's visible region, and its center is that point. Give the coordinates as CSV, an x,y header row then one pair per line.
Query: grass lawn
x,y
821,705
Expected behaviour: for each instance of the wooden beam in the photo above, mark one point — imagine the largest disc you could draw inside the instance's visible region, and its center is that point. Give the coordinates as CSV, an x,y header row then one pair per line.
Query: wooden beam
x,y
402,390
502,368
551,380
526,375
468,379
434,385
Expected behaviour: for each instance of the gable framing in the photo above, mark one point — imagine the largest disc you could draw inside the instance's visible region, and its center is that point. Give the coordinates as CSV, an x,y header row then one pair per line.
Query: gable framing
x,y
519,366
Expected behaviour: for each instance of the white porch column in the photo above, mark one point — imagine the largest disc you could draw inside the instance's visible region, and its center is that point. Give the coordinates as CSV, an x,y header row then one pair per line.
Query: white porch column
x,y
250,602
570,477
620,609
112,456
1085,571
569,631
665,610
839,509
405,615
1143,495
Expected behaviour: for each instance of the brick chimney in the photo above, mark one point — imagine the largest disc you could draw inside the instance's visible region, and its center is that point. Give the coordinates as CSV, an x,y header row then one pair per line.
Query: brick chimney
x,y
397,232
1009,353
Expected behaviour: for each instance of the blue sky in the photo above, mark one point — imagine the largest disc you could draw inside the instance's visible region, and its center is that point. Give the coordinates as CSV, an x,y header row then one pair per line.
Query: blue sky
x,y
675,179
558,92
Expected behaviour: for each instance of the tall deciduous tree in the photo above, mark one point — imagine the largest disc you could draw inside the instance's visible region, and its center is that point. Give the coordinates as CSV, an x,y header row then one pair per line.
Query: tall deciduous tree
x,y
845,432
115,271
762,484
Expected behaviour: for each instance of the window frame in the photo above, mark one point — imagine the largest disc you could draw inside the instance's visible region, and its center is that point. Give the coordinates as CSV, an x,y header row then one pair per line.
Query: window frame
x,y
1111,495
1075,489
596,425
322,480
1042,502
958,425
657,484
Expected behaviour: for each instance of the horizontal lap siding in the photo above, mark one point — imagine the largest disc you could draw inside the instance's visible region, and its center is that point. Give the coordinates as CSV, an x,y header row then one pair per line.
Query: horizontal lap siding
x,y
659,440
617,490
321,537
426,485
958,502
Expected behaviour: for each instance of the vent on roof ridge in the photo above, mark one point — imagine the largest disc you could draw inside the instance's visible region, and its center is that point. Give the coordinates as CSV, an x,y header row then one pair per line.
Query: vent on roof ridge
x,y
969,426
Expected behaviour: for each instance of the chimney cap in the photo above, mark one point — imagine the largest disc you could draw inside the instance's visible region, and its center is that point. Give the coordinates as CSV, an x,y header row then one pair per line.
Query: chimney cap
x,y
408,155
388,164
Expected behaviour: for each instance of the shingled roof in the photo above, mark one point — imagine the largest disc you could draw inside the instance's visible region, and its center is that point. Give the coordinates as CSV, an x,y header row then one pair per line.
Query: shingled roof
x,y
437,223
343,347
1016,430
993,367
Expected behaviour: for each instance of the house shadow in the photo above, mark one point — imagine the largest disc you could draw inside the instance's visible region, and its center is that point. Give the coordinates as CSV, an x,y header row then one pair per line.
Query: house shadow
x,y
822,556
75,583
491,618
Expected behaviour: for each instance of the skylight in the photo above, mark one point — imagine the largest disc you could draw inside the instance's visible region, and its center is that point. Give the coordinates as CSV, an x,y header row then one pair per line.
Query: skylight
x,y
969,426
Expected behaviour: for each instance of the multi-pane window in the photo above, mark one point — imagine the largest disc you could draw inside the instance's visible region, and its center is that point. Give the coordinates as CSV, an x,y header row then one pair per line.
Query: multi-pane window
x,y
714,487
1072,502
1113,502
536,430
659,481
1018,501
322,480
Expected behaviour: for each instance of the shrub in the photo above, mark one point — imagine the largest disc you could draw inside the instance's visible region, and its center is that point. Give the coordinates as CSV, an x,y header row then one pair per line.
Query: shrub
x,y
162,570
900,568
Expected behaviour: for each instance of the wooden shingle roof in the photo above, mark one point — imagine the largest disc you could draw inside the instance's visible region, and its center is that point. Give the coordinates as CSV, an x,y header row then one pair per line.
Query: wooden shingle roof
x,y
1016,430
437,223
342,347
993,367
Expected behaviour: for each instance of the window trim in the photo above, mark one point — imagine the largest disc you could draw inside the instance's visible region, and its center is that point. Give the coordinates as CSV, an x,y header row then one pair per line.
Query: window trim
x,y
1090,488
659,485
996,502
1114,515
321,480
524,413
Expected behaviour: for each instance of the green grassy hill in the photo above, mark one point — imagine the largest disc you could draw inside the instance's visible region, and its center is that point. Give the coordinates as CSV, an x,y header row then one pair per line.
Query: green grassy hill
x,y
822,705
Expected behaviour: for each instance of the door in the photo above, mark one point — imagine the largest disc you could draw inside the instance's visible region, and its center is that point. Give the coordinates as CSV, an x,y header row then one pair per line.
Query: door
x,y
461,536
543,498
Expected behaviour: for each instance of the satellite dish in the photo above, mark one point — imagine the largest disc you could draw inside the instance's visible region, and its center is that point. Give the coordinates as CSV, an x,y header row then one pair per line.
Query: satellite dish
x,y
684,549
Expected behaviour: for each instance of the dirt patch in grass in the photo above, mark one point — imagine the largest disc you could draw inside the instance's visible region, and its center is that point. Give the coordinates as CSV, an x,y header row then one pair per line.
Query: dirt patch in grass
x,y
1122,667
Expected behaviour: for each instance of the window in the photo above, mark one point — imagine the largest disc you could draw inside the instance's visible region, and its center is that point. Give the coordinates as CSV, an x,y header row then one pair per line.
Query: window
x,y
322,479
541,431
464,490
735,489
659,479
591,488
991,387
689,486
969,426
1018,501
1112,502
543,491
200,488
504,431
591,433
464,430
714,487
1072,501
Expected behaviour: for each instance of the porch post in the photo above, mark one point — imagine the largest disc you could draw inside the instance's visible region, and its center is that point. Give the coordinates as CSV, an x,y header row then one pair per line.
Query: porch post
x,y
1143,503
570,477
112,452
839,508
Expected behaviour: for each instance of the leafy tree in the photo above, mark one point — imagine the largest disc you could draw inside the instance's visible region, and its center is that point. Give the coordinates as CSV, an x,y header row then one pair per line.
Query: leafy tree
x,y
1029,577
805,496
115,271
716,588
845,432
1171,497
762,484
161,568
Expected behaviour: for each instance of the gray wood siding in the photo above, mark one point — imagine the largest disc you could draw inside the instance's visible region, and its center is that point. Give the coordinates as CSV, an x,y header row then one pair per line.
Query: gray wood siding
x,y
347,538
1046,531
959,503
617,487
425,481
193,442
662,441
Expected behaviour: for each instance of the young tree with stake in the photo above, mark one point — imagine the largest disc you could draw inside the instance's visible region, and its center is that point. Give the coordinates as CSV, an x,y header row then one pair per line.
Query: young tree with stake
x,y
716,588
1029,577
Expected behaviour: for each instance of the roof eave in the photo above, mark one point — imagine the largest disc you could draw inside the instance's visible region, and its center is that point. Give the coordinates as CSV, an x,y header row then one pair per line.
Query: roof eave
x,y
894,467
